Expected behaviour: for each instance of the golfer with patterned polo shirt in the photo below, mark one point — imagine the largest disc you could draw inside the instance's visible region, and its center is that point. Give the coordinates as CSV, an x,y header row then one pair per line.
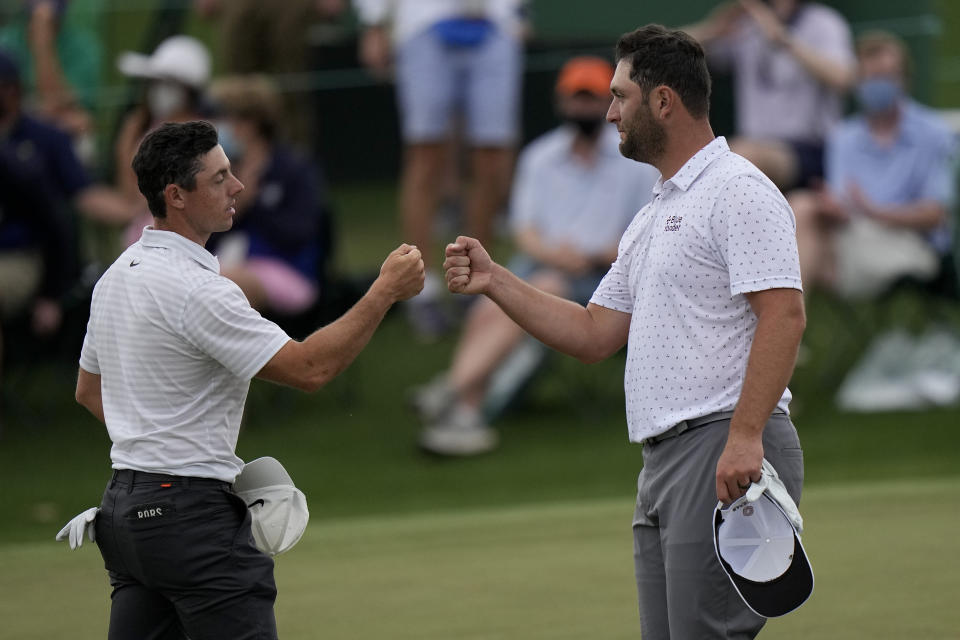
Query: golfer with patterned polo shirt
x,y
170,349
705,292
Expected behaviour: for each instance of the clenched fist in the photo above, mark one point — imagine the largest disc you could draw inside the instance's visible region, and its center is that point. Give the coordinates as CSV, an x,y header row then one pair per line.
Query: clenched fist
x,y
468,266
402,273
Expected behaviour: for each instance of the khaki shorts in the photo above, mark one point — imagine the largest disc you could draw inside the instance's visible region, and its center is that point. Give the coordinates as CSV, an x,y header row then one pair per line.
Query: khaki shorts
x,y
20,273
872,256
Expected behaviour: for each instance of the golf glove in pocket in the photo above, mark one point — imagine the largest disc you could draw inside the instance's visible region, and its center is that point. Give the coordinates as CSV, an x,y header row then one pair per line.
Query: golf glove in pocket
x,y
74,530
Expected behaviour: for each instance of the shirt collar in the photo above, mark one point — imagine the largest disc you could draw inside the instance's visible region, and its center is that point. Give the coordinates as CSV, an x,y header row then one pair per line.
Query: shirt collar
x,y
175,242
696,165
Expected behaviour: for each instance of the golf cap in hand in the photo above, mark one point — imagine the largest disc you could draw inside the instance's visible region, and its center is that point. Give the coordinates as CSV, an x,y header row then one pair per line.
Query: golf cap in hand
x,y
277,507
757,540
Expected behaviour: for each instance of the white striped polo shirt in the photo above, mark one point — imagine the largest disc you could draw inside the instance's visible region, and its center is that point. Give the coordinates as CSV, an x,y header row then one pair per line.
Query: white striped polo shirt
x,y
176,345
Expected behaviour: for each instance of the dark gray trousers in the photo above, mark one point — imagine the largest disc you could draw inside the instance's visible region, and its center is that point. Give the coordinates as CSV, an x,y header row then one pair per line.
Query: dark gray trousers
x,y
181,561
682,590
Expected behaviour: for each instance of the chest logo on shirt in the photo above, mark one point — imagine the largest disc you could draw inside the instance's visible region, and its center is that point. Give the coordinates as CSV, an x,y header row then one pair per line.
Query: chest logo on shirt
x,y
673,223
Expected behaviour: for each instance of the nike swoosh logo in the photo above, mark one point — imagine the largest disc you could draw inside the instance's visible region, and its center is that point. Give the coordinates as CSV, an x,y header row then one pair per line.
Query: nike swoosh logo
x,y
256,502
135,262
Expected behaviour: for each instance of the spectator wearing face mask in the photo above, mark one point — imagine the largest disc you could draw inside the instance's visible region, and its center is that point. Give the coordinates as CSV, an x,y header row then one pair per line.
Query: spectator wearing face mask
x,y
574,195
889,185
175,78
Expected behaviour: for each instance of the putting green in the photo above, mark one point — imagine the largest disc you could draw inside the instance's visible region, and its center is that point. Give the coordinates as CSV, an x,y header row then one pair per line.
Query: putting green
x,y
886,558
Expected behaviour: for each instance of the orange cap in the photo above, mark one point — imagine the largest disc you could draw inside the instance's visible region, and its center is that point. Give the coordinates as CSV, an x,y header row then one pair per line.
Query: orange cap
x,y
585,73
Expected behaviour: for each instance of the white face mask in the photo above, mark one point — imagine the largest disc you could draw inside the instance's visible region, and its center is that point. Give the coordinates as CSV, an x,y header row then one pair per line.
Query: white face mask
x,y
165,99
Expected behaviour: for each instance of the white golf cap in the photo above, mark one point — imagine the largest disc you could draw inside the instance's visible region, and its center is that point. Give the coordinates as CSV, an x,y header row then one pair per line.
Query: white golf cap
x,y
180,58
757,540
278,509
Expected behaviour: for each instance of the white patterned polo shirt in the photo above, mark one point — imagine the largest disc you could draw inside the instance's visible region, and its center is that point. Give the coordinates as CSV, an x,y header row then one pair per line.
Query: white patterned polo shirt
x,y
176,345
714,231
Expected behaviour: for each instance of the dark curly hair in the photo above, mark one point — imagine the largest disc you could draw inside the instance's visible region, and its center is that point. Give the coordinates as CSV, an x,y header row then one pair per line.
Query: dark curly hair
x,y
170,154
661,56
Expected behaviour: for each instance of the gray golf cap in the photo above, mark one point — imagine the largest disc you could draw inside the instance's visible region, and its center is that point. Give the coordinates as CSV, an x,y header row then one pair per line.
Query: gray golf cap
x,y
278,509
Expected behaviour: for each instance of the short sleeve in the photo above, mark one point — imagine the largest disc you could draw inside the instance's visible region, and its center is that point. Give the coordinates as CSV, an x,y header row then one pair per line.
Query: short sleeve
x,y
939,182
754,233
218,320
88,352
614,292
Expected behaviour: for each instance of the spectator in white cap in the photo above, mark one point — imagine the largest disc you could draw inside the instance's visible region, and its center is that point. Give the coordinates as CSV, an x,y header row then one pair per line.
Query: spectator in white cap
x,y
176,75
180,60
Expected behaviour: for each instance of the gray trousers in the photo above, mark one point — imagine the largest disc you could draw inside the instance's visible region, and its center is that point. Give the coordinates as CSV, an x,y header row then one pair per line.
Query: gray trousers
x,y
682,590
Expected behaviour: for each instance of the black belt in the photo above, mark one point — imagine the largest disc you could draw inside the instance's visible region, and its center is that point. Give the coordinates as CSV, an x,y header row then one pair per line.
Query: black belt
x,y
687,425
693,423
132,477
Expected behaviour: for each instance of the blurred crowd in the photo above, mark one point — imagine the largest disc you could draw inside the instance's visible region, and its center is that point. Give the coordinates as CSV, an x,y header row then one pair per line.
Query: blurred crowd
x,y
829,118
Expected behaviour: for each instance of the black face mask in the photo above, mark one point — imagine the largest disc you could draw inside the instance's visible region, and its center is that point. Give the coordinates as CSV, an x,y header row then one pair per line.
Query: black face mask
x,y
587,126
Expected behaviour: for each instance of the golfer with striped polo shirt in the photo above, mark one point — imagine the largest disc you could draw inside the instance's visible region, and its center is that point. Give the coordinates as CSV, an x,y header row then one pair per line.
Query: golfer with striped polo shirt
x,y
170,349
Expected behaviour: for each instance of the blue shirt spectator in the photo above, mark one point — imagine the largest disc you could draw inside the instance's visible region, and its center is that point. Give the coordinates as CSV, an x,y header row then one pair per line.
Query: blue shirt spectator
x,y
882,215
917,165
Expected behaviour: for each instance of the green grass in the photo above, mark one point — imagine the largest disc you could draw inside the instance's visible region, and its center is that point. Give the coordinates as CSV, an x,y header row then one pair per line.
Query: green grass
x,y
884,554
351,446
531,542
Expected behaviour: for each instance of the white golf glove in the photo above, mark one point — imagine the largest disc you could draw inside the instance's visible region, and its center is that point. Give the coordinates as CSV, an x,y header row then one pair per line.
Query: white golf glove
x,y
74,529
771,483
